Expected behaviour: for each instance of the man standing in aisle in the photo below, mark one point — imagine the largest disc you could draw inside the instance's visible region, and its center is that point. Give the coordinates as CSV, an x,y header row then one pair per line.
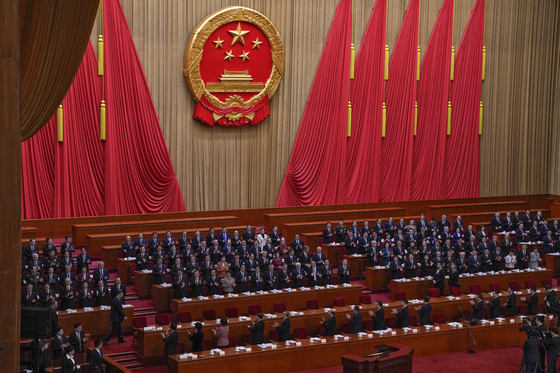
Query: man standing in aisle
x,y
117,317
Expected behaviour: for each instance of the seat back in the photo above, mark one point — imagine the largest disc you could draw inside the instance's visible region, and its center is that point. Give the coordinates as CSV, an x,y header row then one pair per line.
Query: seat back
x,y
467,313
439,318
485,313
365,299
279,307
434,293
162,319
541,308
312,304
273,335
255,309
206,344
400,295
339,301
529,283
184,317
368,324
495,286
391,322
231,340
209,314
475,289
248,338
140,322
300,333
523,309
345,328
412,321
455,291
180,347
231,312
321,330
341,252
546,282
514,284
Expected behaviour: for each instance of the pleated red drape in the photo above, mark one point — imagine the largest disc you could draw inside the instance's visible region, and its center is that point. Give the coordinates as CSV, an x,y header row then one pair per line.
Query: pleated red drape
x,y
61,179
139,174
428,156
463,145
317,167
400,93
364,144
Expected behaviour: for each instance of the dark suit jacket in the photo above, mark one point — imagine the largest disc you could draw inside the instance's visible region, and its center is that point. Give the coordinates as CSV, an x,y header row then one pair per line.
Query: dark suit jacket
x,y
258,332
67,365
552,347
330,326
531,350
379,319
75,342
510,306
402,317
196,338
494,306
425,312
117,313
477,310
326,238
114,291
284,330
532,302
355,323
95,362
171,343
57,347
54,321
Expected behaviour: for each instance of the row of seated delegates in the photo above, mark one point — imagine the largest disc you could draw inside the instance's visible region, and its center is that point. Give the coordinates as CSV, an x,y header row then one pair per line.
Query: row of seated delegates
x,y
257,280
32,248
65,349
51,260
72,296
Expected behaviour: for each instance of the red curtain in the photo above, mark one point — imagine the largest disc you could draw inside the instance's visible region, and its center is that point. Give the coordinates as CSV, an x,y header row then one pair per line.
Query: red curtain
x,y
428,165
317,167
61,179
364,144
463,145
139,175
396,149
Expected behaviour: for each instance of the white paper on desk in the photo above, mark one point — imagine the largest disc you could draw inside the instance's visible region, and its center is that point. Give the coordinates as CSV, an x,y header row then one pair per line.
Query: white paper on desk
x,y
406,329
454,324
500,319
246,293
244,318
428,326
269,315
388,330
483,321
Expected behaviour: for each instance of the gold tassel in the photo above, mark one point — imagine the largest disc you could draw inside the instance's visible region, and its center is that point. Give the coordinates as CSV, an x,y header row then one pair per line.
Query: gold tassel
x,y
483,63
103,126
384,121
59,119
386,62
349,125
448,118
418,65
352,59
480,119
452,61
100,55
415,117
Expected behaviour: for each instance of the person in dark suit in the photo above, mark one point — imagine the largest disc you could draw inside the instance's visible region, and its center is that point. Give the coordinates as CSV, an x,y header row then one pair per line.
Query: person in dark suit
x,y
96,358
101,273
454,276
511,302
116,287
140,241
117,317
78,338
68,361
257,329
212,283
314,275
550,296
159,271
494,305
531,352
523,257
425,311
142,259
535,233
102,294
284,276
341,231
350,243
326,273
180,284
67,294
410,266
67,246
477,306
402,316
127,248
439,277
85,296
59,343
54,316
29,298
283,328
355,320
257,280
170,338
532,301
241,279
378,317
497,223
328,234
197,337
196,285
552,347
344,272
329,324
298,275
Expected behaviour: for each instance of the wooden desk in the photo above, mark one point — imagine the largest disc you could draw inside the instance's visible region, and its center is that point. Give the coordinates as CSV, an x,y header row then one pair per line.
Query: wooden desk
x,y
161,297
419,288
143,284
331,251
294,358
109,255
294,300
396,361
124,269
376,278
96,322
553,262
355,263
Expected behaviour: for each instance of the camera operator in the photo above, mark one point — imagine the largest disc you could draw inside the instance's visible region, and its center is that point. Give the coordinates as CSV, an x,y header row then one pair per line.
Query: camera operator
x,y
552,346
539,321
531,352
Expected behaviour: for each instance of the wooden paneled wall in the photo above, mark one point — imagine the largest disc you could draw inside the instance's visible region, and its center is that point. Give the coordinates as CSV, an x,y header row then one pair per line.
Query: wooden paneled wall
x,y
225,168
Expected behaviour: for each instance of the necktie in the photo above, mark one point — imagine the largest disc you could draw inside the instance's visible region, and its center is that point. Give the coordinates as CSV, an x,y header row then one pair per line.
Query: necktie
x,y
28,295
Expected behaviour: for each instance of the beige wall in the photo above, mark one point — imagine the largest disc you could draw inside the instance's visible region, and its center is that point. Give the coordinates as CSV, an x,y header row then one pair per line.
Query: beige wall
x,y
221,168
